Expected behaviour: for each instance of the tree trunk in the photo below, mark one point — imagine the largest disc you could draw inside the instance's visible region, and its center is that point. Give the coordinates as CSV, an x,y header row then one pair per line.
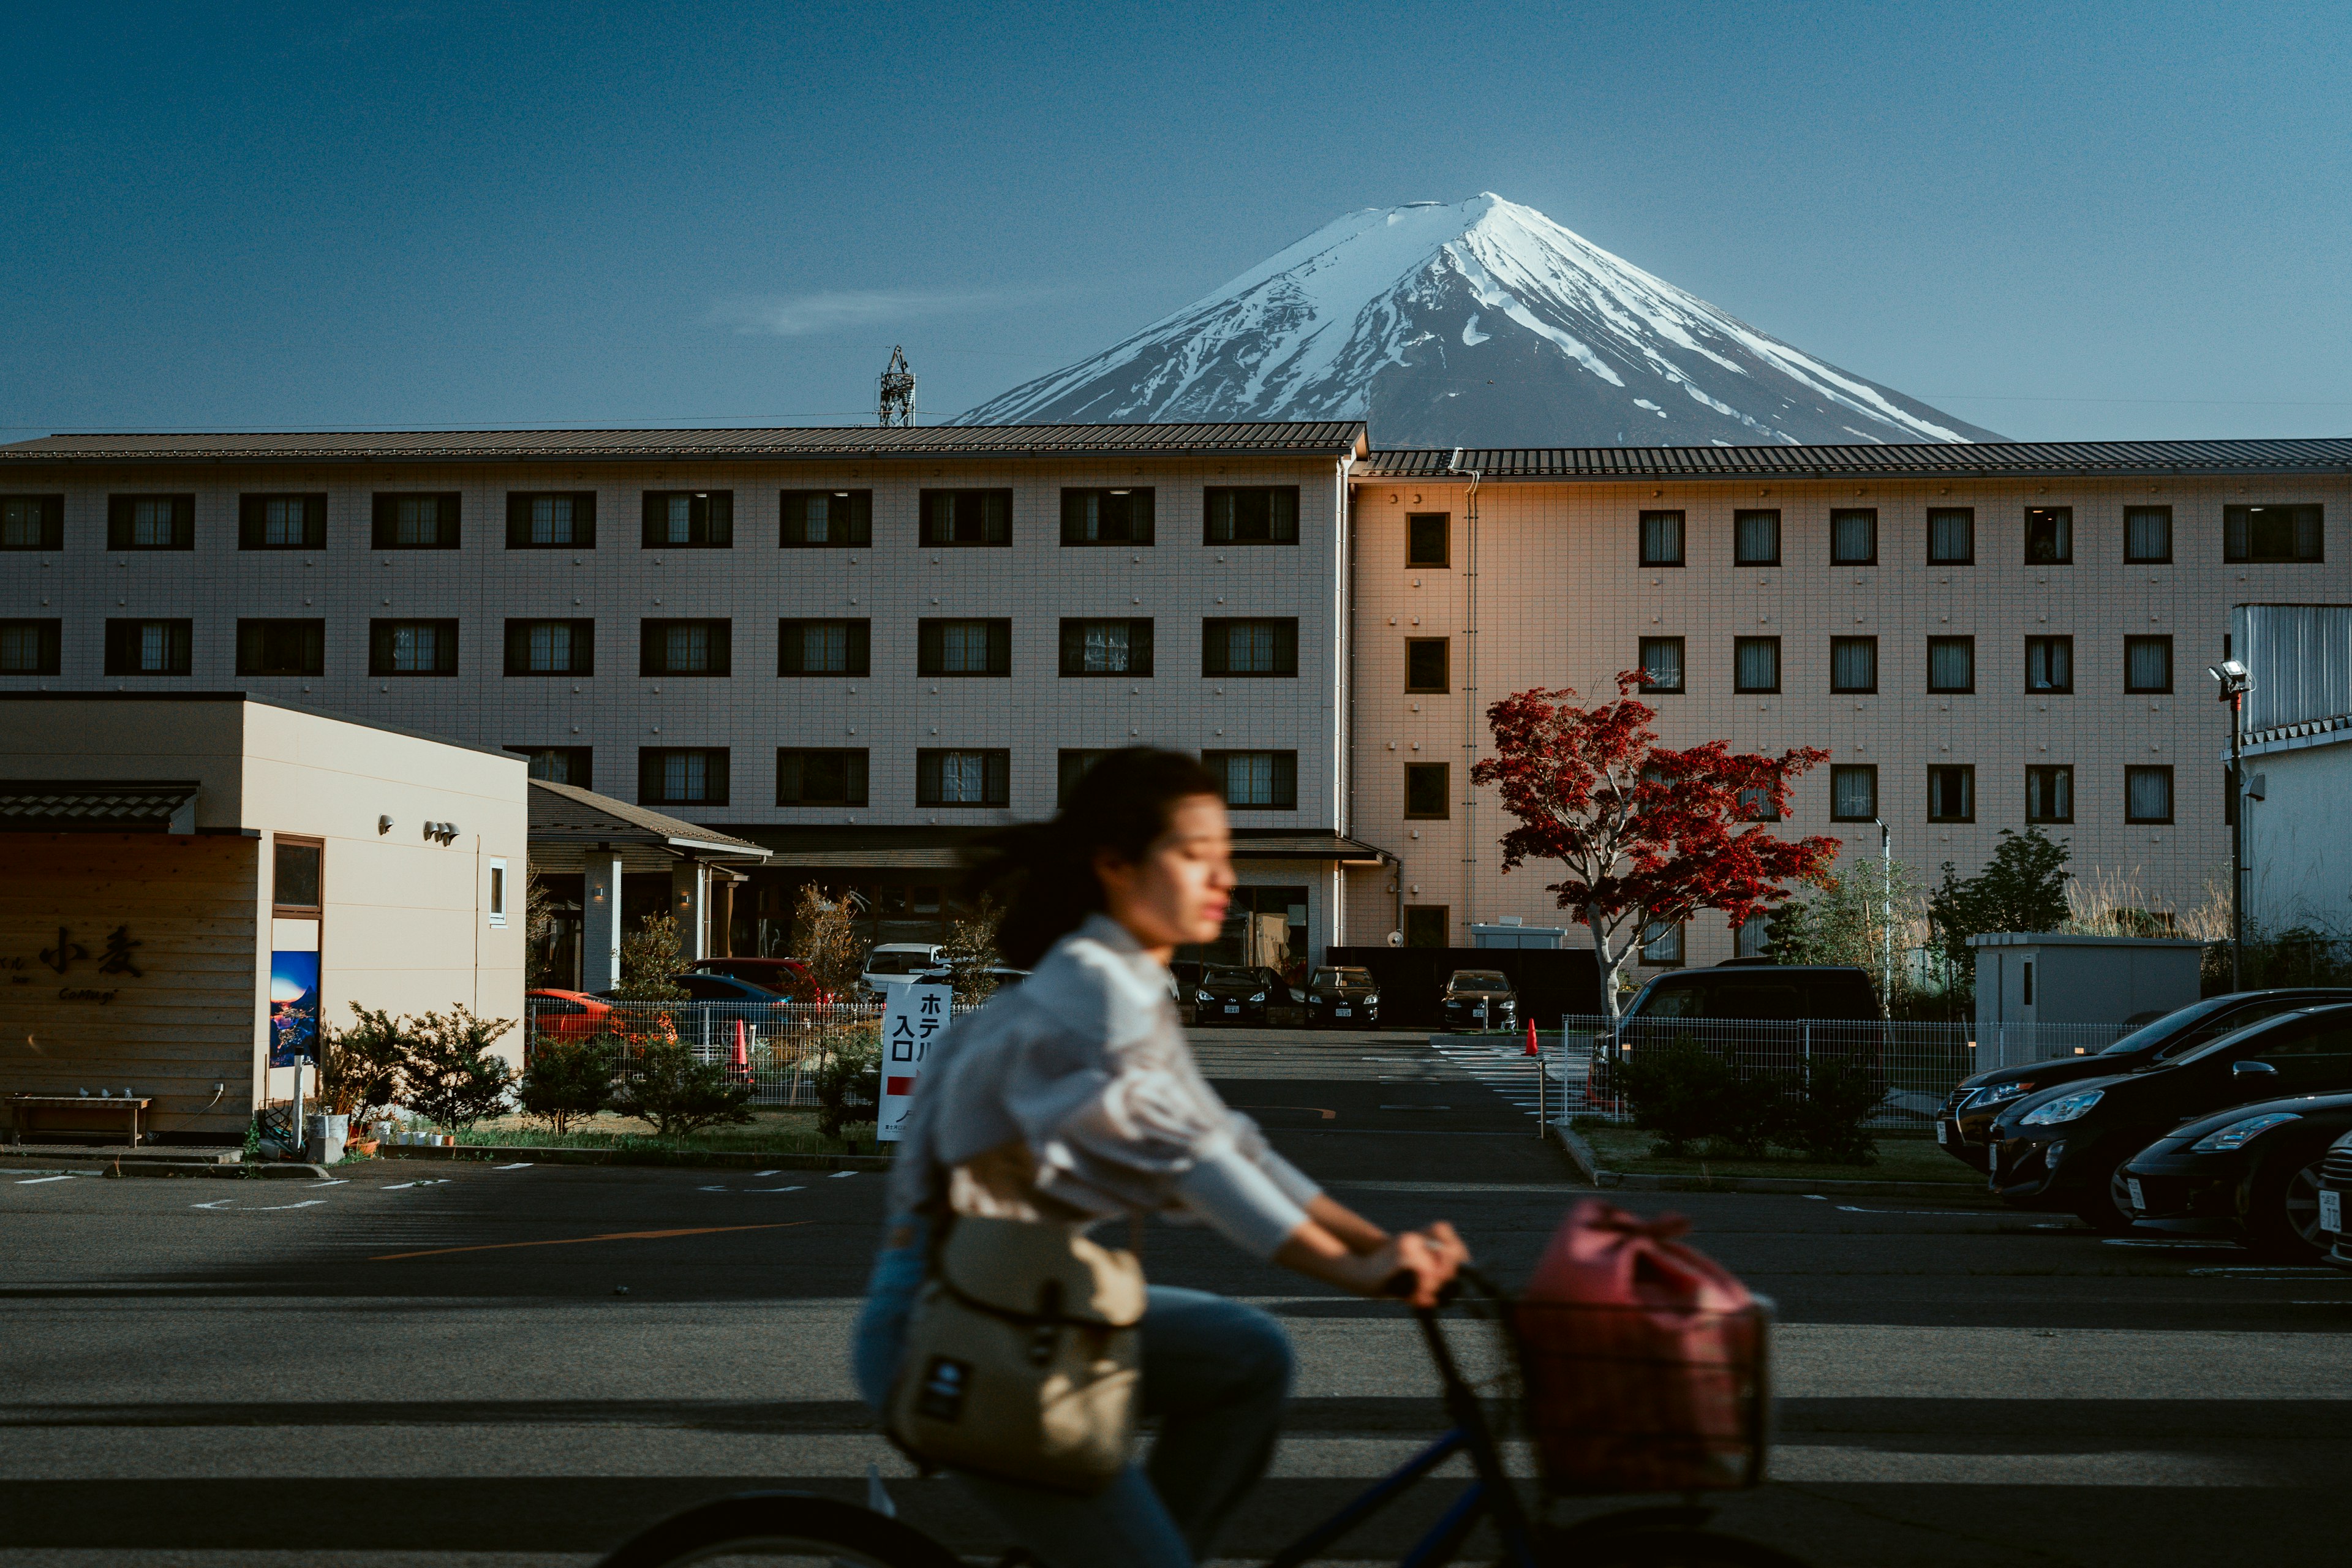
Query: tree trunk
x,y
1607,964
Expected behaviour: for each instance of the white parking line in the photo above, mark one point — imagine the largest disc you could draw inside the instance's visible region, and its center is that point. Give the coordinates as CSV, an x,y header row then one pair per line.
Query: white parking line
x,y
337,1181
757,1174
37,1180
2171,1245
517,1165
775,1189
837,1175
710,1189
216,1203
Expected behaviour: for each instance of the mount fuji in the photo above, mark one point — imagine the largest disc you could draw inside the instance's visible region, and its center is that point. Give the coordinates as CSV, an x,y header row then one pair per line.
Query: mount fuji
x,y
1483,323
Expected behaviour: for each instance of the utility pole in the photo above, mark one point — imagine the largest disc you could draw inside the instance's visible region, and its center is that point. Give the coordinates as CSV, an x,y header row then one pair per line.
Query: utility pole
x,y
2236,682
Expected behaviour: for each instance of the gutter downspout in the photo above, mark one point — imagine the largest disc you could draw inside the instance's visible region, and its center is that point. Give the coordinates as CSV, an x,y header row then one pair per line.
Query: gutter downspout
x,y
1469,693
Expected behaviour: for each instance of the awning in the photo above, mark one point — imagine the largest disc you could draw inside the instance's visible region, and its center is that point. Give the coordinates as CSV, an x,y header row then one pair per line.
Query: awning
x,y
568,823
98,806
943,849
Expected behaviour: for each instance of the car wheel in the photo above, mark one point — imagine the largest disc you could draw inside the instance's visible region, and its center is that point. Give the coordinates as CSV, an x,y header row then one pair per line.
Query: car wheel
x,y
2106,1207
2278,1206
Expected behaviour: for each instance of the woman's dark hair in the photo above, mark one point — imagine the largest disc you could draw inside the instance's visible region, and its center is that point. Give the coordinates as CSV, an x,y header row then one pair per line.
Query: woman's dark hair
x,y
1044,872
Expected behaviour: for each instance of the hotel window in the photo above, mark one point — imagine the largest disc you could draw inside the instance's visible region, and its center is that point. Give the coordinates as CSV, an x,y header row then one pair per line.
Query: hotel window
x,y
1755,663
1951,664
2272,534
282,522
2147,533
2049,794
1257,781
1070,766
1428,796
963,648
2049,535
1662,944
550,520
281,648
558,764
1425,660
963,778
1263,515
1662,539
2147,664
32,522
1753,936
2050,664
1952,793
681,775
29,646
1249,648
498,899
413,648
824,775
1106,647
1854,791
1853,664
1661,660
685,647
1756,538
1106,517
825,647
151,522
1428,539
826,520
688,519
980,518
296,882
551,648
1854,537
1951,536
147,648
419,522
1754,804
2148,794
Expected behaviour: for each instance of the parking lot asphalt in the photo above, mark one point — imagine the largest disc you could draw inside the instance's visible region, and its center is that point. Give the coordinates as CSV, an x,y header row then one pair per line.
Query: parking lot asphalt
x,y
513,1365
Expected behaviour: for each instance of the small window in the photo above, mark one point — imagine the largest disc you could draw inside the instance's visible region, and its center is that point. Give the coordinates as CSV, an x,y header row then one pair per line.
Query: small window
x,y
151,522
1753,936
826,775
551,648
1662,664
1249,648
1428,539
295,878
2147,533
559,764
282,522
550,520
1754,804
1853,664
32,522
2147,664
2049,794
1756,538
1755,663
1854,791
2271,533
688,519
1425,663
981,519
412,648
2148,794
497,911
1662,944
1070,766
826,520
1106,647
1265,514
420,520
29,646
963,648
1854,536
963,778
148,648
1662,539
1257,781
825,647
685,647
2050,664
1428,925
1951,536
276,647
681,775
1951,664
1427,795
2049,535
1952,793
1107,517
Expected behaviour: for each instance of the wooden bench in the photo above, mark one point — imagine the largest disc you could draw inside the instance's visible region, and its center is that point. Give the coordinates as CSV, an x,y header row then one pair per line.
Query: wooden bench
x,y
74,1113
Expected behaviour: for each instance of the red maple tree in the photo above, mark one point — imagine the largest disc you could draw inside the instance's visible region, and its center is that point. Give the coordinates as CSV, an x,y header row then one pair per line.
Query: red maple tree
x,y
1647,835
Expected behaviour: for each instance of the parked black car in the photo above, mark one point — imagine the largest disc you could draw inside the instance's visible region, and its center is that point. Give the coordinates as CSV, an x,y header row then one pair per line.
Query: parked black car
x,y
2251,1172
2065,1148
1229,994
1965,1118
1479,999
2335,1186
1344,998
1759,991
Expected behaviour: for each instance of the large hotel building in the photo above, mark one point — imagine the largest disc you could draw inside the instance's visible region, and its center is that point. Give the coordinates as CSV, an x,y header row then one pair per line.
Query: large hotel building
x,y
860,647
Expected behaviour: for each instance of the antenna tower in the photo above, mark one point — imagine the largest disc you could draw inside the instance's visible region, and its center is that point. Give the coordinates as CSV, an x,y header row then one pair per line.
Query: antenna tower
x,y
896,383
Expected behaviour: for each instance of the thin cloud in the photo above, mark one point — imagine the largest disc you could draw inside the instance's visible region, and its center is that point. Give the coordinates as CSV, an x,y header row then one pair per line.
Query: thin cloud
x,y
802,315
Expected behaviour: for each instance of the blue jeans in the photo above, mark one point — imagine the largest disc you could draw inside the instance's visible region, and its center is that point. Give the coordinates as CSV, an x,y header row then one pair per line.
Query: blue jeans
x,y
1215,1375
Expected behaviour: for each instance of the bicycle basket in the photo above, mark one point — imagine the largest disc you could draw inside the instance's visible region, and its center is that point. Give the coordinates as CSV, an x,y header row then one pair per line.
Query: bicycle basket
x,y
1632,1398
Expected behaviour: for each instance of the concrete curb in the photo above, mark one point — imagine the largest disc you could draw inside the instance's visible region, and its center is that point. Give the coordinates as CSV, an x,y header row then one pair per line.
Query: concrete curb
x,y
724,1160
1964,1192
197,1169
1579,1153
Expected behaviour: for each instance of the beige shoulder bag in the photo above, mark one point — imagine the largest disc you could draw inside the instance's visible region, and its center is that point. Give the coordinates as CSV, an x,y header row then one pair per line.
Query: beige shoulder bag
x,y
1022,1356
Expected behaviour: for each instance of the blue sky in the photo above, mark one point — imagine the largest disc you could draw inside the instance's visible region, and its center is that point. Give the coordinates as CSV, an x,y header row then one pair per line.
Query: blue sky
x,y
2073,221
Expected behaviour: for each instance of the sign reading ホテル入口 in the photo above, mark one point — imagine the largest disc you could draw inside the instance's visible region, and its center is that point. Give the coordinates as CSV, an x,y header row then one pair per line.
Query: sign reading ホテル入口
x,y
911,1019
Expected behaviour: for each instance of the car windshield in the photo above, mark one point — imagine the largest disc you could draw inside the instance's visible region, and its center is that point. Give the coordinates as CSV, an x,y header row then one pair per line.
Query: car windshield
x,y
1343,977
2222,1045
897,962
1228,975
2147,1035
1480,980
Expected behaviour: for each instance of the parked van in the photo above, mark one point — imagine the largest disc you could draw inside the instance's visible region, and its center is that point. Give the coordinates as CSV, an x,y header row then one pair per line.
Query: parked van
x,y
897,962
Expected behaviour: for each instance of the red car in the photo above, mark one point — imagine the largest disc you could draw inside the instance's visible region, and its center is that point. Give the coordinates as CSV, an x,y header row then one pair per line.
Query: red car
x,y
567,1014
787,977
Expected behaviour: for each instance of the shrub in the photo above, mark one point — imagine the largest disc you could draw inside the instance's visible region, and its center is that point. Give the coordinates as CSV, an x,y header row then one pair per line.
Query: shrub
x,y
679,1094
360,1067
1681,1092
568,1079
453,1080
1825,1122
650,957
849,1063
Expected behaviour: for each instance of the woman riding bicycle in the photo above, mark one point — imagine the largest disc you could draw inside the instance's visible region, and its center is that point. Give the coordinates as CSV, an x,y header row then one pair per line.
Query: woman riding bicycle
x,y
1074,1099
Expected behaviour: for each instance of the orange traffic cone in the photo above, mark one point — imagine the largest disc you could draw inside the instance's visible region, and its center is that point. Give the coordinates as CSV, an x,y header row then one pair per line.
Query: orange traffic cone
x,y
1531,1049
743,1056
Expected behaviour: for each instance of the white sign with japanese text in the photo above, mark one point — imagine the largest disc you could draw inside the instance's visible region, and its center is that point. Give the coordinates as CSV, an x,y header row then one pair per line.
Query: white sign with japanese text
x,y
911,1019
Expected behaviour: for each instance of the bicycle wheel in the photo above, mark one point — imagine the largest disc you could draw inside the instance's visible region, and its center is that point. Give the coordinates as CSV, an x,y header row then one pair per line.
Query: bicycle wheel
x,y
1673,1549
781,1530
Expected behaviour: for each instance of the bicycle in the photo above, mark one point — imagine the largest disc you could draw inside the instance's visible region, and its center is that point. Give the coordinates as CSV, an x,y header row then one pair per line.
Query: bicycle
x,y
827,1530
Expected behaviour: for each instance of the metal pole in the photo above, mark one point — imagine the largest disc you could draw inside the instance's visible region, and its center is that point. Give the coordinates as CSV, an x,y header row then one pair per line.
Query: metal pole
x,y
2237,843
1886,910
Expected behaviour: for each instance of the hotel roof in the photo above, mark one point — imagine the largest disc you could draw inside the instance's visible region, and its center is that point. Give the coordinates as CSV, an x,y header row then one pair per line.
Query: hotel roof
x,y
1991,460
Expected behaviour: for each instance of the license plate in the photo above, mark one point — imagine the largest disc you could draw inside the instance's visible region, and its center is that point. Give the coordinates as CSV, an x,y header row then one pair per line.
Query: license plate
x,y
1343,1012
2331,1211
2139,1199
1943,1132
1992,1159
1232,1006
